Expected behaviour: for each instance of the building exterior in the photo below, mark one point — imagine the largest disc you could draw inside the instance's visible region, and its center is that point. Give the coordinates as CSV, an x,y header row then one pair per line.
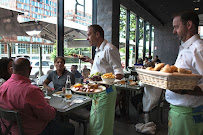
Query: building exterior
x,y
30,46
78,17
36,9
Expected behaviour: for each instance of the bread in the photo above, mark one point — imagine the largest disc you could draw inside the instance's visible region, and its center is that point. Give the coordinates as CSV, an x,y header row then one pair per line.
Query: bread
x,y
184,71
158,66
149,68
166,69
174,68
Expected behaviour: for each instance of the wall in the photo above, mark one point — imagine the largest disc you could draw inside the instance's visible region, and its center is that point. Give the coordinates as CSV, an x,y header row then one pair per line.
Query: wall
x,y
167,43
108,12
108,17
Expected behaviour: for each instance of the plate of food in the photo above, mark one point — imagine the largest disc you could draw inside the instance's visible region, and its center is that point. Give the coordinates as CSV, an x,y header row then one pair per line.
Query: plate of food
x,y
90,88
95,77
109,79
73,55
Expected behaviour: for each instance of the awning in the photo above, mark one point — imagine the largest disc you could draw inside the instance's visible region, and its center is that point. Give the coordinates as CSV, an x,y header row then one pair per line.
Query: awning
x,y
74,33
9,24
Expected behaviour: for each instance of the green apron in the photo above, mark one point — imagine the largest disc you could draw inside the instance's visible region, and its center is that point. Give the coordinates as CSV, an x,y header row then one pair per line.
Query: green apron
x,y
185,121
102,113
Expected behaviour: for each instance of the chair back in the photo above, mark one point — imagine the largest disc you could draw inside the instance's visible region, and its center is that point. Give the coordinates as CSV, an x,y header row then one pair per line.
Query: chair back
x,y
11,116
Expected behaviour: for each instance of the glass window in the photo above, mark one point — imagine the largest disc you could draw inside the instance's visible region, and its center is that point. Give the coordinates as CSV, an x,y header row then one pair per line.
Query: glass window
x,y
27,1
122,35
132,47
141,32
147,40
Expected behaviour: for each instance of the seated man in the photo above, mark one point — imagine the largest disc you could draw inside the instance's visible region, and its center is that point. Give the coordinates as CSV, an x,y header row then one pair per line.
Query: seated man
x,y
74,70
37,115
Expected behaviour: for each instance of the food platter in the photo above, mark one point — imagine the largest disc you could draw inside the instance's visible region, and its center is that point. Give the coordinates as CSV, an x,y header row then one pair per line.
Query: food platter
x,y
96,91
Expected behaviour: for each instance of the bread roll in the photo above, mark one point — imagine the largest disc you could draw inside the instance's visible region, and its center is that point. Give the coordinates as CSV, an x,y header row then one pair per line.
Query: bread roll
x,y
158,66
174,68
149,68
166,69
184,71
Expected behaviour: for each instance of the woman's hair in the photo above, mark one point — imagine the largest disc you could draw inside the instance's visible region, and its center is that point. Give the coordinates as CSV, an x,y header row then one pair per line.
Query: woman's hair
x,y
59,57
4,68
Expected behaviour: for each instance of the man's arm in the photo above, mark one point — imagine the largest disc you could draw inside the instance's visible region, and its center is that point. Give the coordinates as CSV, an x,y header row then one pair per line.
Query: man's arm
x,y
113,58
39,105
87,59
196,92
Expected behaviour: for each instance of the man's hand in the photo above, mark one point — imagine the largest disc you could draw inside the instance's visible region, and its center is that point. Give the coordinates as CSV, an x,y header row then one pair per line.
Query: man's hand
x,y
196,92
87,59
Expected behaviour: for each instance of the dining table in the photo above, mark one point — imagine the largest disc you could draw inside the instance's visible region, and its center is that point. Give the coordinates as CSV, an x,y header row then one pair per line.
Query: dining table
x,y
64,107
126,92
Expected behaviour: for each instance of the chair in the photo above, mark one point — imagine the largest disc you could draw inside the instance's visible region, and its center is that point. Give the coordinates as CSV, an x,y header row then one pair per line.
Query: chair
x,y
81,116
12,116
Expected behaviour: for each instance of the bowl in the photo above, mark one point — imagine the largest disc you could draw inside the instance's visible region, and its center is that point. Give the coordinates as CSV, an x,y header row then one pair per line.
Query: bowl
x,y
108,80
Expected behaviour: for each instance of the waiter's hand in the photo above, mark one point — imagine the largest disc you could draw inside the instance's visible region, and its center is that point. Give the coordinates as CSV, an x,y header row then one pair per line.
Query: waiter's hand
x,y
87,59
196,92
119,76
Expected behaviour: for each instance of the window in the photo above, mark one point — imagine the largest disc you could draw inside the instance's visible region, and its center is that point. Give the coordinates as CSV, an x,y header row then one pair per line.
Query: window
x,y
122,35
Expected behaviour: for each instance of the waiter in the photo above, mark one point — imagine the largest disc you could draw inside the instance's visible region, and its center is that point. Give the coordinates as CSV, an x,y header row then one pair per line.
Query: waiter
x,y
107,59
186,113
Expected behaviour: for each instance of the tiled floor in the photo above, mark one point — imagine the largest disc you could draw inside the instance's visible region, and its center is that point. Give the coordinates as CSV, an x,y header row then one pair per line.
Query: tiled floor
x,y
126,125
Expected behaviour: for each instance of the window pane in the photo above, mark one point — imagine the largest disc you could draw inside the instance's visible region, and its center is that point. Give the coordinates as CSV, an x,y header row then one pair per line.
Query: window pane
x,y
122,34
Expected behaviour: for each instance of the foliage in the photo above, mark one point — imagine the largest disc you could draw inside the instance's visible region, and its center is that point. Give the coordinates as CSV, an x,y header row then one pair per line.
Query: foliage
x,y
132,26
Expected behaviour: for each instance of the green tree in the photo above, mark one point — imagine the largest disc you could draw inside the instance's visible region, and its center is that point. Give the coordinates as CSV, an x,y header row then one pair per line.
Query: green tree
x,y
132,26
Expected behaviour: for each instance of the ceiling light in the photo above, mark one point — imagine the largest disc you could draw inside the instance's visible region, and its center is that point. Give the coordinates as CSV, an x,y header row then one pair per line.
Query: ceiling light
x,y
196,9
196,0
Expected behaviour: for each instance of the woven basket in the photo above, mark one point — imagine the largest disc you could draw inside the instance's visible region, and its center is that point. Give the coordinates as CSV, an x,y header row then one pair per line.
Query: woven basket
x,y
172,81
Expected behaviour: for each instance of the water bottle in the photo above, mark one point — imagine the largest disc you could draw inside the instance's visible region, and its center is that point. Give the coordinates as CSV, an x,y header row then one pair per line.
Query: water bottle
x,y
68,82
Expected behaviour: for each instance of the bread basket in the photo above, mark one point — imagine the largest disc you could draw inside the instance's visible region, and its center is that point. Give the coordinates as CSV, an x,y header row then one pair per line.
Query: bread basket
x,y
171,81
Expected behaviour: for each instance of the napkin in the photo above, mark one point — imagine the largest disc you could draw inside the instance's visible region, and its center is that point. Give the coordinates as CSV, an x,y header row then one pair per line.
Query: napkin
x,y
148,128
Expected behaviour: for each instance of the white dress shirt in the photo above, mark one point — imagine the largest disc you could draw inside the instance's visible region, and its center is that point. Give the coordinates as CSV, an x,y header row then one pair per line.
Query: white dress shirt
x,y
107,59
190,57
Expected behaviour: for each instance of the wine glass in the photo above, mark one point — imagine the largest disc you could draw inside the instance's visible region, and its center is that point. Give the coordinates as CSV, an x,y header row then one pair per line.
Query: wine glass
x,y
68,94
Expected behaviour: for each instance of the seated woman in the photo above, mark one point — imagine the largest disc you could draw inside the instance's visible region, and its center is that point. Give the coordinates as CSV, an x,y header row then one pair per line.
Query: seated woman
x,y
58,76
5,69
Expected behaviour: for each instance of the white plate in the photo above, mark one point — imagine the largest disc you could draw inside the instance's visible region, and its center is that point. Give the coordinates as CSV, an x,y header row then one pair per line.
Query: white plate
x,y
100,89
115,81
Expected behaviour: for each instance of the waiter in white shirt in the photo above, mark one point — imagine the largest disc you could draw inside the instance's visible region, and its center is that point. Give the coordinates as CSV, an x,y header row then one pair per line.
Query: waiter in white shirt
x,y
107,59
186,113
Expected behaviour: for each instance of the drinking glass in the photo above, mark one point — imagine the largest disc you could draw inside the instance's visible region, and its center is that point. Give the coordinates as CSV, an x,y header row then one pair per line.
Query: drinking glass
x,y
46,94
68,94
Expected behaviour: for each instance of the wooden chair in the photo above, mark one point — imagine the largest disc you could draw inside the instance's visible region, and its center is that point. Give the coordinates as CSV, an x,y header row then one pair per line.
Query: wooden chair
x,y
12,116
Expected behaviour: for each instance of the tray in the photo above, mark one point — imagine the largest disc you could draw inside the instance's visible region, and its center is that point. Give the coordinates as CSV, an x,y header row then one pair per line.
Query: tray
x,y
171,81
100,89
